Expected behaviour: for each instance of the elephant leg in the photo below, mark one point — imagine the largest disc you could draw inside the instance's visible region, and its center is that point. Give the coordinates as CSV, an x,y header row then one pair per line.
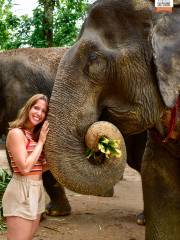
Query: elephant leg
x,y
59,204
135,146
140,218
160,178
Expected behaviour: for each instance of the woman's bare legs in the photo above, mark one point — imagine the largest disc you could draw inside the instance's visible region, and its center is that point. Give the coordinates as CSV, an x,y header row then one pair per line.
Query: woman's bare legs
x,y
35,225
21,229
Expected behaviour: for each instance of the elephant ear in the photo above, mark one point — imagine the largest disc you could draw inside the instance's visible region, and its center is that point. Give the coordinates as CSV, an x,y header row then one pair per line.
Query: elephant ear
x,y
166,52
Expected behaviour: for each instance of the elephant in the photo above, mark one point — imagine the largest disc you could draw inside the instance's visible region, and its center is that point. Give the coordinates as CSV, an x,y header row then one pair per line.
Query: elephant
x,y
124,68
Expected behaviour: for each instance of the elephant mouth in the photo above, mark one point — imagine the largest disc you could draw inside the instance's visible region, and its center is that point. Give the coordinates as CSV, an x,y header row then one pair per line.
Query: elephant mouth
x,y
98,158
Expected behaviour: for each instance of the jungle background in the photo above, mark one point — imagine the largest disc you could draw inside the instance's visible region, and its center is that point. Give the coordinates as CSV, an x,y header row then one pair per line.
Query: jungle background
x,y
56,23
53,23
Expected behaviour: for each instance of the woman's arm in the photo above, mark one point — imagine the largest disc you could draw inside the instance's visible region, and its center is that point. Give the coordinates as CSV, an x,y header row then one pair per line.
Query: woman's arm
x,y
17,146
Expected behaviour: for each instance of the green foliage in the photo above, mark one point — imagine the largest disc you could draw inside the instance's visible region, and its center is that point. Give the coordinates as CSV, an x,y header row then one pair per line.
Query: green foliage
x,y
66,19
64,25
14,31
6,20
2,225
37,38
54,23
4,180
20,35
42,35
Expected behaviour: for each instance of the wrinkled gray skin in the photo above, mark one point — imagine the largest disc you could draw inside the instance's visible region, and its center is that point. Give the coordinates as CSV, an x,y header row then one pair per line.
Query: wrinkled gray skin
x,y
124,68
24,72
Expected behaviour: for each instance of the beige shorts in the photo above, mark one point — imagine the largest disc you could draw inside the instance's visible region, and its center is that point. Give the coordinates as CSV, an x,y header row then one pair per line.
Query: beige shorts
x,y
24,198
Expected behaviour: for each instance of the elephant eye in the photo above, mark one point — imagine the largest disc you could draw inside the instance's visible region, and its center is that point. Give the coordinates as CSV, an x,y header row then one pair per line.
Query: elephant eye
x,y
96,66
92,56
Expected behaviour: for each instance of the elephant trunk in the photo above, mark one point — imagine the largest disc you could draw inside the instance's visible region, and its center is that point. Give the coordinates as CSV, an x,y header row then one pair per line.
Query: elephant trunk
x,y
65,146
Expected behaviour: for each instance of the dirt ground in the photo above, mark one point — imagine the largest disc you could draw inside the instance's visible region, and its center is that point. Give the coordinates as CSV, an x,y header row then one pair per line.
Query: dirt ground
x,y
97,218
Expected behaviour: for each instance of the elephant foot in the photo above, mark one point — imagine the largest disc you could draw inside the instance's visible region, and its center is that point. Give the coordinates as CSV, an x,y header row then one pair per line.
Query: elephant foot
x,y
43,216
56,209
140,219
109,193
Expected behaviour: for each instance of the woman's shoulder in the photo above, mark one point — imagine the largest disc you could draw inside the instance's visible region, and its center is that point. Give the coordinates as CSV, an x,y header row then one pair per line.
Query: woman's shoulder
x,y
15,132
15,135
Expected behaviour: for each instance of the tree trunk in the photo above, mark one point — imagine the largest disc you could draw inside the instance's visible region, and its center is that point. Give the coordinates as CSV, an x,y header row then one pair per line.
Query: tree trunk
x,y
48,6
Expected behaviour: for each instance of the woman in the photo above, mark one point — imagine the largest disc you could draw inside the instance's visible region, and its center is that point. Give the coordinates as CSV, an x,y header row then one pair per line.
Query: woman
x,y
24,199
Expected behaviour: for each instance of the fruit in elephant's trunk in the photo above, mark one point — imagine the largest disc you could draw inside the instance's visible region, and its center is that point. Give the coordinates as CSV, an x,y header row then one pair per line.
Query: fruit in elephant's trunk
x,y
104,141
109,147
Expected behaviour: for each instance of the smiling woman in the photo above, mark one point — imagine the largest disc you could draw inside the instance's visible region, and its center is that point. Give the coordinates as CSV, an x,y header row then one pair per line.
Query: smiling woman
x,y
24,199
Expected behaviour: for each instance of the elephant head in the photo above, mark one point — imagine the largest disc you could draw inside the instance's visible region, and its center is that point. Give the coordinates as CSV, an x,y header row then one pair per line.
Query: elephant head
x,y
117,71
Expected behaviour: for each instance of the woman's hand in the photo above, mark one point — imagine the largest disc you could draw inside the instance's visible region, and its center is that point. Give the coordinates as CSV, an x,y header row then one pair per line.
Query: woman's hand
x,y
44,132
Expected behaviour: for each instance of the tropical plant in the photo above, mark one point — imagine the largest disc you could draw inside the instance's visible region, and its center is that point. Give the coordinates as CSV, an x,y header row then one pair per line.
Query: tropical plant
x,y
68,16
4,180
54,23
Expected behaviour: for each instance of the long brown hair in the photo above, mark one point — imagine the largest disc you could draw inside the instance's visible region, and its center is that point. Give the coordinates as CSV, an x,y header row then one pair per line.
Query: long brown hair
x,y
23,114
